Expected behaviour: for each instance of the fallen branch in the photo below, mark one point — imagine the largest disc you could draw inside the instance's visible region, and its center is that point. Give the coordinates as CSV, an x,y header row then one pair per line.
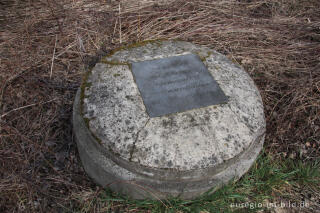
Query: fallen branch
x,y
23,107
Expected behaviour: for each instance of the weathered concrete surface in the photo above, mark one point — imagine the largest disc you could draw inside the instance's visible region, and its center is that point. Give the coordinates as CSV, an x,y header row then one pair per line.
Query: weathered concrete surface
x,y
183,153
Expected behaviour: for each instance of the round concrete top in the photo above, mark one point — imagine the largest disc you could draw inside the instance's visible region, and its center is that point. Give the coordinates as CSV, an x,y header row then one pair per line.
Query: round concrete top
x,y
196,139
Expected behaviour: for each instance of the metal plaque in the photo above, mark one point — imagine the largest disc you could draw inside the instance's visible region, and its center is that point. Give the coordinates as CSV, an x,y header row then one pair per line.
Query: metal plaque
x,y
176,84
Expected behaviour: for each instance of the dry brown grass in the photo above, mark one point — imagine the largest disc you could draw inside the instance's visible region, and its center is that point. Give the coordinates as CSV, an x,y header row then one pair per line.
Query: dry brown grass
x,y
277,42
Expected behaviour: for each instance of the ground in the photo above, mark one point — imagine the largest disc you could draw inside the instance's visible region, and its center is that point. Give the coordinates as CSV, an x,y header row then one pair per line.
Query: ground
x,y
46,47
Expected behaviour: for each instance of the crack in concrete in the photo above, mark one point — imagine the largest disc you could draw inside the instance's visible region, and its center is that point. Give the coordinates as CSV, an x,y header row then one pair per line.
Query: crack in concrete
x,y
135,141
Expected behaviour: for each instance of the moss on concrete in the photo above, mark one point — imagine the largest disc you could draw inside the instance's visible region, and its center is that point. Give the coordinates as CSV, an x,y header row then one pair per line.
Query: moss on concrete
x,y
134,45
85,84
83,87
113,62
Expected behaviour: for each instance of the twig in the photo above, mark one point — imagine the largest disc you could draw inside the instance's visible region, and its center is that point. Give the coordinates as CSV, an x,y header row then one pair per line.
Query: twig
x,y
120,22
81,46
66,49
139,23
80,28
114,30
54,52
23,107
12,78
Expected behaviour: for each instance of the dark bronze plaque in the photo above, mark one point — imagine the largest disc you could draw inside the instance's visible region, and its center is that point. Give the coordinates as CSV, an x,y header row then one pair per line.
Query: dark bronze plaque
x,y
176,84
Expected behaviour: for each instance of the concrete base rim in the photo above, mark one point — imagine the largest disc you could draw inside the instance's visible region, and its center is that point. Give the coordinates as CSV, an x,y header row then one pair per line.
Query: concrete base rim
x,y
142,186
